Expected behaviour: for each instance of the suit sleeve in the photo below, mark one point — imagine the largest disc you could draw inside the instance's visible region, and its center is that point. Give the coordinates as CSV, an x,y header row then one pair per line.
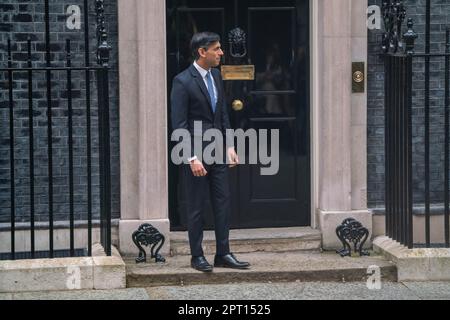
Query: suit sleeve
x,y
179,99
179,105
225,117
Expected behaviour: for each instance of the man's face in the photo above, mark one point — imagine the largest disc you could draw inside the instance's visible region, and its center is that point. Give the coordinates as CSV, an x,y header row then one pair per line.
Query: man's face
x,y
212,56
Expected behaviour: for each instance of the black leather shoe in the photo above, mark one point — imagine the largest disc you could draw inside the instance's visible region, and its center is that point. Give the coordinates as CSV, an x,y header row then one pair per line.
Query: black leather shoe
x,y
201,264
229,261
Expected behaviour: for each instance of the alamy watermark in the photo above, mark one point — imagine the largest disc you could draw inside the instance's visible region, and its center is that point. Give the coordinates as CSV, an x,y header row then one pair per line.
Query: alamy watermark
x,y
73,281
73,21
258,147
374,278
374,17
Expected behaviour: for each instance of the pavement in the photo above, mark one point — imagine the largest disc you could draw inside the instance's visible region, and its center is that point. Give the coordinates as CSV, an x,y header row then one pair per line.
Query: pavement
x,y
256,291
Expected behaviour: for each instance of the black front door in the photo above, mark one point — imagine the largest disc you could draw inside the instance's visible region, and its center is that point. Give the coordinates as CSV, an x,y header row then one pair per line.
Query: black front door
x,y
275,97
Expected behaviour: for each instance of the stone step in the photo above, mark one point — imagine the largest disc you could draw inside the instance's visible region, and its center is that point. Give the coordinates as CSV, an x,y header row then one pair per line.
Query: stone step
x,y
265,267
253,240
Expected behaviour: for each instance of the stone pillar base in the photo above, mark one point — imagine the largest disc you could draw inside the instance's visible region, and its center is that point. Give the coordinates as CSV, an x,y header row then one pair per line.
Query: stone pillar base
x,y
127,227
420,264
329,220
98,272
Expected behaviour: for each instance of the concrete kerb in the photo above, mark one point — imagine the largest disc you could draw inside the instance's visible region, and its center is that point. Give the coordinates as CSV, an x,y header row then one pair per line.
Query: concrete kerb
x,y
81,273
430,264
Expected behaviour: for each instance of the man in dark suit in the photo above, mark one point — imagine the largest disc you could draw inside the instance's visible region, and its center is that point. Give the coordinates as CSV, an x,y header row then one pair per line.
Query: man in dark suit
x,y
198,96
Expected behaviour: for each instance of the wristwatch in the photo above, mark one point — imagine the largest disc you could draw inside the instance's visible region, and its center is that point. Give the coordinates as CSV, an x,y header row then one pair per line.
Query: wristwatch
x,y
192,159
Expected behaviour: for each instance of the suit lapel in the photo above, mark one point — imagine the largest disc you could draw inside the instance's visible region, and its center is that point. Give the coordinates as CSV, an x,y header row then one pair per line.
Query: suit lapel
x,y
201,84
219,92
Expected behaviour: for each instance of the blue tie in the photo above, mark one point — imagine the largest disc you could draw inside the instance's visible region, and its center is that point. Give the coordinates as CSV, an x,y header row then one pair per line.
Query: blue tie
x,y
209,81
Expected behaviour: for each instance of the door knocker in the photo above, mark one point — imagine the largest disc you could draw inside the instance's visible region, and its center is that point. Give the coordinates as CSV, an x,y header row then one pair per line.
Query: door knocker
x,y
237,40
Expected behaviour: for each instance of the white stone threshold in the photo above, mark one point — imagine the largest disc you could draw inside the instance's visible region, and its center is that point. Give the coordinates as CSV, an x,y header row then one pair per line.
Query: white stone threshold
x,y
419,264
98,272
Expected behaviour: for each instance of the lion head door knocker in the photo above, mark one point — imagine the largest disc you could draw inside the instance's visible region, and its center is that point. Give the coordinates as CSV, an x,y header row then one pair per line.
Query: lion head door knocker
x,y
238,43
147,235
352,232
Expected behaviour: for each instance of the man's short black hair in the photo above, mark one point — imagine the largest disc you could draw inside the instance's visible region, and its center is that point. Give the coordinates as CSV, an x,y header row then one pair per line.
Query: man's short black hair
x,y
203,40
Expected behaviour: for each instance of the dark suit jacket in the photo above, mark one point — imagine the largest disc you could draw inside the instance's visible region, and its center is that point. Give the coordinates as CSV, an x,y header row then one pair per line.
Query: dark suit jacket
x,y
190,102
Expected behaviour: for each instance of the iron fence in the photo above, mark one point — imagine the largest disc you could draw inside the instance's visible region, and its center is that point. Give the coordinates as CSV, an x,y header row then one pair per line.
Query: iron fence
x,y
99,74
400,59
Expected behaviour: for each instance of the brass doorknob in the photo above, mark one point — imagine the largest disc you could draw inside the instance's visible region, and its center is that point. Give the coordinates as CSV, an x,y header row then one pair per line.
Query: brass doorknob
x,y
237,105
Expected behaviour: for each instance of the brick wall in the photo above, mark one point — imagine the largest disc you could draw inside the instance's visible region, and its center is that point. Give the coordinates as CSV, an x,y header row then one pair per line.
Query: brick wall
x,y
440,19
19,20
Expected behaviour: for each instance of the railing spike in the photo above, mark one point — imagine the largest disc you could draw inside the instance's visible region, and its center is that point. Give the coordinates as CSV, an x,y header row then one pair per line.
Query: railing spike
x,y
103,48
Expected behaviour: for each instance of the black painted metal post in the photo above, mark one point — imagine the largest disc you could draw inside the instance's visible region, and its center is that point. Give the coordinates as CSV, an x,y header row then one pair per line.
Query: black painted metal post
x,y
88,126
11,151
393,139
402,147
427,123
409,218
447,139
31,148
396,151
410,36
387,188
104,136
104,151
388,146
104,157
391,145
49,128
70,128
407,164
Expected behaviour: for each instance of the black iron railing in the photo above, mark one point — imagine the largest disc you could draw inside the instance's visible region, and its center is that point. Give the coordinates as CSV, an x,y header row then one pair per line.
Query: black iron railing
x,y
102,81
399,57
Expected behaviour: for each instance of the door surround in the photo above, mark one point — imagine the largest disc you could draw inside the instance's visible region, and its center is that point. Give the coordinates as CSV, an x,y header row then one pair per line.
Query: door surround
x,y
338,173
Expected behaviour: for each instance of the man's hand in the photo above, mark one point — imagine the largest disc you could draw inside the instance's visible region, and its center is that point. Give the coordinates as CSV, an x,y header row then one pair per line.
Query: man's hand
x,y
198,170
233,158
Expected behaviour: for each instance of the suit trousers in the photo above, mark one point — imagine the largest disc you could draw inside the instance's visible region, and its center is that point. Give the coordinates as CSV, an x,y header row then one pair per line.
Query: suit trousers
x,y
196,190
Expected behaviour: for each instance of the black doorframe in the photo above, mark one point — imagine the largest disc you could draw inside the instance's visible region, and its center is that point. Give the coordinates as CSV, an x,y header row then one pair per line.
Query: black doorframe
x,y
174,217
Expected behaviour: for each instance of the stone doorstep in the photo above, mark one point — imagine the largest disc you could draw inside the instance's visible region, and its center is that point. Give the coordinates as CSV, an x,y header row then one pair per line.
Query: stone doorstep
x,y
275,267
96,272
254,240
420,264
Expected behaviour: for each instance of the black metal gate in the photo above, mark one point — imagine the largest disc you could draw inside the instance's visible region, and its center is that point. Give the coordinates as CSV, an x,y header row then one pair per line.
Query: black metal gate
x,y
400,104
65,71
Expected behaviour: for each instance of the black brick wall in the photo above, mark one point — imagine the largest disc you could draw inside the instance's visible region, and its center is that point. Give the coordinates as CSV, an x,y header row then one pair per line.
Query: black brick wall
x,y
19,20
440,20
